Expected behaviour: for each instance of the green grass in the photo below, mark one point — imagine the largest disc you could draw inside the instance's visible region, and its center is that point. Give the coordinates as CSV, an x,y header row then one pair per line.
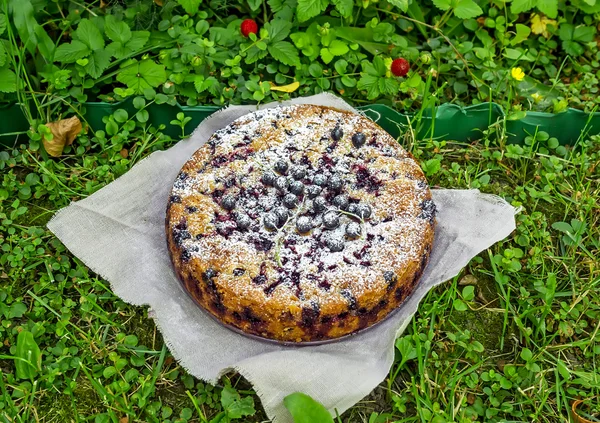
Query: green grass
x,y
514,337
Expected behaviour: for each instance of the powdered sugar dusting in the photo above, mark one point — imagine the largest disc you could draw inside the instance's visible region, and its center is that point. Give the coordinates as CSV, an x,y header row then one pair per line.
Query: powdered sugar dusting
x,y
284,262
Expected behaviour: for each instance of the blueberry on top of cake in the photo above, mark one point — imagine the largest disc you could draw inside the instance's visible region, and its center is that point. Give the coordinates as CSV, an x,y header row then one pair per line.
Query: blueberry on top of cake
x,y
300,223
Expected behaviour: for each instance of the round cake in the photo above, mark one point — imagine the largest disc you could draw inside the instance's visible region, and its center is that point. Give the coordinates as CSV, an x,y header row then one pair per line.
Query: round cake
x,y
300,223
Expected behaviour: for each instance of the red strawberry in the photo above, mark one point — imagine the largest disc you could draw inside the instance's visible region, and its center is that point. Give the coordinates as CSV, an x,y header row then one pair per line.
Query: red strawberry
x,y
248,27
400,67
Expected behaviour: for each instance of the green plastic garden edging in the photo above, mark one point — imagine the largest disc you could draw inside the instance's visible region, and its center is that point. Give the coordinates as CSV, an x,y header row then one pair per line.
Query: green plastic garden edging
x,y
447,121
13,125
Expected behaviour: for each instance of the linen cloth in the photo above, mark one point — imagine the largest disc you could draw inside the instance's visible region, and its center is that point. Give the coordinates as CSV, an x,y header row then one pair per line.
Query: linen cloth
x,y
119,232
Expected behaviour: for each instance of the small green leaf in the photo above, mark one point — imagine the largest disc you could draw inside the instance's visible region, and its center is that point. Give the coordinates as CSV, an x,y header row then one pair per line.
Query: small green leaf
x,y
139,102
522,32
401,4
142,75
199,83
326,55
370,84
301,39
477,346
98,62
442,4
285,52
229,396
102,418
518,54
109,371
71,52
348,81
310,8
121,115
341,66
518,115
584,34
379,66
191,7
459,305
186,414
254,54
90,35
28,350
566,31
407,349
243,407
138,40
573,48
212,85
2,23
563,227
304,409
261,45
118,32
255,4
460,87
548,7
563,370
468,293
276,5
142,116
467,9
578,225
315,70
278,29
553,143
550,288
526,354
345,7
201,27
111,127
519,6
388,86
8,81
17,310
338,48
362,37
432,166
234,405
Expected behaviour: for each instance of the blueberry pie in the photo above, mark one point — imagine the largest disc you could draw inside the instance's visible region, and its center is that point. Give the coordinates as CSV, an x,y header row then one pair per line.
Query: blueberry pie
x,y
300,223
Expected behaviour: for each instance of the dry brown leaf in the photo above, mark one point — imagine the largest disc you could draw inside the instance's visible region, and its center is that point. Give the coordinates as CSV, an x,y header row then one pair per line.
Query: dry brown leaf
x,y
539,24
468,280
124,153
124,419
471,399
160,2
64,132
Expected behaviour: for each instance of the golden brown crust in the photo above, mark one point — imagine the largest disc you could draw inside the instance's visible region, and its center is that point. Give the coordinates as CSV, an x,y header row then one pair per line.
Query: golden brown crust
x,y
283,284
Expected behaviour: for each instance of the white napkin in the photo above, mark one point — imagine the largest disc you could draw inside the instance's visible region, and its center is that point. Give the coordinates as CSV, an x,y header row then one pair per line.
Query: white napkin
x,y
119,233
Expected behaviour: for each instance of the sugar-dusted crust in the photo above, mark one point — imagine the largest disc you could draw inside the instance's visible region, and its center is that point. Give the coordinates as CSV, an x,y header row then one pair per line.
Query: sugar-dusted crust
x,y
283,284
